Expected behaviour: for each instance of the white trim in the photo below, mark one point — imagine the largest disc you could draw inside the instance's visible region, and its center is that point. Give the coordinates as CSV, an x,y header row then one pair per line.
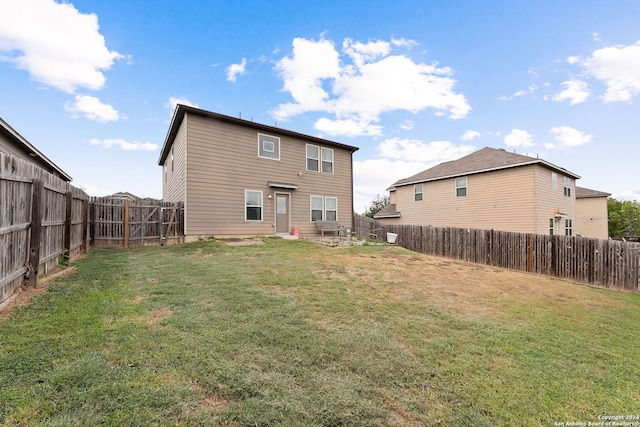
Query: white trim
x,y
311,207
261,206
322,149
466,186
318,159
261,149
326,210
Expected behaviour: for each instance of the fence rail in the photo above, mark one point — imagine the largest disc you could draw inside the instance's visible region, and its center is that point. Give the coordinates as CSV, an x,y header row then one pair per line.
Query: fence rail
x,y
45,220
604,263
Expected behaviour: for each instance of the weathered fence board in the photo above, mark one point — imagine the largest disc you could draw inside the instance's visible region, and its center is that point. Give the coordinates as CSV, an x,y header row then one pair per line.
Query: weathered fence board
x,y
604,263
44,221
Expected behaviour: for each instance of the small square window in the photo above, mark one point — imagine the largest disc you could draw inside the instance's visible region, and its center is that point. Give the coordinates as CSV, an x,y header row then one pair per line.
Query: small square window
x,y
268,147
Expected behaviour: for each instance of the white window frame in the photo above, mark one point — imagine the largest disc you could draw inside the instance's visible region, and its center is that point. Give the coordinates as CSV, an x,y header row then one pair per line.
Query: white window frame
x,y
461,187
311,208
567,186
416,192
262,138
568,227
554,181
327,210
317,159
324,162
247,205
171,159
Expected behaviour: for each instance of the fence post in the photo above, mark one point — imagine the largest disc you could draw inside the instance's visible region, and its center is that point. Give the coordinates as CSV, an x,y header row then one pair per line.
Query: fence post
x,y
85,223
36,231
66,254
125,231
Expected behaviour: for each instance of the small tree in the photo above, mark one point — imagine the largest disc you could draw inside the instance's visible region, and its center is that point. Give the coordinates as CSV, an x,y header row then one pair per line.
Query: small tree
x,y
376,205
624,218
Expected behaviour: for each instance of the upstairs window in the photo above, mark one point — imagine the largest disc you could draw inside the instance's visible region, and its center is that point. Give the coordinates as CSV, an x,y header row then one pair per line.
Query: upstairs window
x,y
461,187
554,180
327,160
171,159
253,205
313,158
567,186
417,192
268,147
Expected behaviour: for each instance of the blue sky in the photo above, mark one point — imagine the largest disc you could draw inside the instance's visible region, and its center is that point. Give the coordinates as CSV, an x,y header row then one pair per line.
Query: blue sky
x,y
93,84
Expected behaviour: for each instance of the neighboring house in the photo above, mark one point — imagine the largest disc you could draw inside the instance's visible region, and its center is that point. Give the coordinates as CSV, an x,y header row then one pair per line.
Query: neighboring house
x,y
123,195
11,142
592,216
239,178
488,189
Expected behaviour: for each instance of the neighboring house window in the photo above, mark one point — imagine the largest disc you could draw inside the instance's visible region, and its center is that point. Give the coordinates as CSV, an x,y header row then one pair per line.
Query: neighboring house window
x,y
567,186
268,147
316,208
568,227
171,159
417,192
165,171
550,226
327,160
313,158
331,208
554,180
461,187
253,205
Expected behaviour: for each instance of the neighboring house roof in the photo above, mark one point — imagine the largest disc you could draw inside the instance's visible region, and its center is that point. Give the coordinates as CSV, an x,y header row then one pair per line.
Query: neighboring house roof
x,y
586,193
180,111
124,195
25,146
484,160
389,211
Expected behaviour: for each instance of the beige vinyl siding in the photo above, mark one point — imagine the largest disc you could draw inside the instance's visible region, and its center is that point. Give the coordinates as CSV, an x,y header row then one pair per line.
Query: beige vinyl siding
x,y
592,219
496,200
551,202
173,188
519,199
223,162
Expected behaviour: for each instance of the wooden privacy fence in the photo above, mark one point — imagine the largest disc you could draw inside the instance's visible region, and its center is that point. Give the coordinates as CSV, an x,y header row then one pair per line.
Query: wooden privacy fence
x,y
604,263
142,223
45,221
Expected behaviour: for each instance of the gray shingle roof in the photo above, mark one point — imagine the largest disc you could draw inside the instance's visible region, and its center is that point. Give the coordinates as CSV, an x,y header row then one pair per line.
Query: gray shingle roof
x,y
484,160
586,193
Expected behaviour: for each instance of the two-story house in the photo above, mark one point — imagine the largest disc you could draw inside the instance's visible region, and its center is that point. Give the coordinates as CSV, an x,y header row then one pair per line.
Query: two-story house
x,y
488,189
239,178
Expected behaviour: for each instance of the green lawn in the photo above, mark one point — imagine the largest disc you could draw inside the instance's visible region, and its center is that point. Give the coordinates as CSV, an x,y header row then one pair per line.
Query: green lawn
x,y
295,333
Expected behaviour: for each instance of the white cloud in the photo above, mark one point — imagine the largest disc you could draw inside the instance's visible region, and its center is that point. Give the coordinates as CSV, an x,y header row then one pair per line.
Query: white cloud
x,y
173,102
93,109
406,125
361,84
619,68
55,43
234,70
399,158
519,138
414,149
568,137
348,127
125,145
470,135
576,92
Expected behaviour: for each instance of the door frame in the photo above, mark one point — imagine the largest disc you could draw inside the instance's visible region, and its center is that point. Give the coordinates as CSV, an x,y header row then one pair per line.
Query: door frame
x,y
275,210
